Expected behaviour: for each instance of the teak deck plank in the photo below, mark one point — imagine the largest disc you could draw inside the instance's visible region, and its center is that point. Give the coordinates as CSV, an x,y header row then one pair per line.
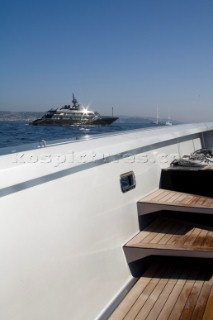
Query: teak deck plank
x,y
170,292
173,236
155,195
192,300
163,199
133,295
203,298
208,314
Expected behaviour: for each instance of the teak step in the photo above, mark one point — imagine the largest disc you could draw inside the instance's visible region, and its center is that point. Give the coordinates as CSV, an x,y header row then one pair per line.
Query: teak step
x,y
170,291
167,237
163,199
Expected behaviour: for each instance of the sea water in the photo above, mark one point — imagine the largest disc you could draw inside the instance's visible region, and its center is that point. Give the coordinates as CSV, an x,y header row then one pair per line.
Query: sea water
x,y
13,133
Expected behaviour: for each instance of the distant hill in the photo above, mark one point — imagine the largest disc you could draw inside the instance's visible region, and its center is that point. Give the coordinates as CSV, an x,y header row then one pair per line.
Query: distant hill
x,y
30,116
126,119
19,116
25,116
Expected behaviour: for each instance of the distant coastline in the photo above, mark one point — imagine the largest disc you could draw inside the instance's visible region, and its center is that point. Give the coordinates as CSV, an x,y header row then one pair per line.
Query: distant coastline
x,y
19,116
30,116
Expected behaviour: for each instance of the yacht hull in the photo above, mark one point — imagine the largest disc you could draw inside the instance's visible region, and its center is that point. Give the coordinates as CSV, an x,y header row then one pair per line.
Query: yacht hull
x,y
104,121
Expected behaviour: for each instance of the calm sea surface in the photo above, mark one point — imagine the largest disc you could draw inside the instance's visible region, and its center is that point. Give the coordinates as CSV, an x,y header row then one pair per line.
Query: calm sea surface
x,y
13,133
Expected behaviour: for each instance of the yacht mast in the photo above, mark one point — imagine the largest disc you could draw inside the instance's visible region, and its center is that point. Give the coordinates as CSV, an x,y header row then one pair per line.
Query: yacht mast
x,y
75,104
157,120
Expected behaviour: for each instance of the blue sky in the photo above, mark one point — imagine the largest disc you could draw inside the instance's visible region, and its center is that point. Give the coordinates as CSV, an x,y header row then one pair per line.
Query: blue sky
x,y
128,54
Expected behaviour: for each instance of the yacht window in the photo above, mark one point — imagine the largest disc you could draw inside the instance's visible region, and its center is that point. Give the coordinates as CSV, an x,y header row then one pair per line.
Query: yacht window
x,y
127,181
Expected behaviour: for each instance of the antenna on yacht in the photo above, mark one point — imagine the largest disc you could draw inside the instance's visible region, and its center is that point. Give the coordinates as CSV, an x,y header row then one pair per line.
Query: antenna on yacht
x,y
75,104
112,111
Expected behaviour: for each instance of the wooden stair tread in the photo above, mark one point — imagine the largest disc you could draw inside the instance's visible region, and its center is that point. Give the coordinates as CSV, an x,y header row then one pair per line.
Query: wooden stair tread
x,y
164,233
163,199
170,291
174,198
